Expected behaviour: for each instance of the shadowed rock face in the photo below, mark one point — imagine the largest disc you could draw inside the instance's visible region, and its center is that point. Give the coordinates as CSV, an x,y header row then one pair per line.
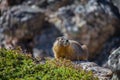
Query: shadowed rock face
x,y
14,2
116,3
110,45
45,40
112,4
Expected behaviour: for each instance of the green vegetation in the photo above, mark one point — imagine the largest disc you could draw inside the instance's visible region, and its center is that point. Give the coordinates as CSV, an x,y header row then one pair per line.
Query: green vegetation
x,y
16,66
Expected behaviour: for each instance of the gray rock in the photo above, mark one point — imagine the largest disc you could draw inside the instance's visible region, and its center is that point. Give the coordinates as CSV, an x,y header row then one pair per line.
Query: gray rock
x,y
114,64
22,21
100,72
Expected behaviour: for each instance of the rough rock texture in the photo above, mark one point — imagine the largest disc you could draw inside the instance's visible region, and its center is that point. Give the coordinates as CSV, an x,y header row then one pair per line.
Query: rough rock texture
x,y
48,4
86,22
3,6
114,64
21,23
100,72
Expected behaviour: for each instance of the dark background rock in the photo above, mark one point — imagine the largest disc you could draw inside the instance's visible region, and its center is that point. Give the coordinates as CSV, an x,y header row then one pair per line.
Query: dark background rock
x,y
44,41
110,45
112,4
116,3
14,2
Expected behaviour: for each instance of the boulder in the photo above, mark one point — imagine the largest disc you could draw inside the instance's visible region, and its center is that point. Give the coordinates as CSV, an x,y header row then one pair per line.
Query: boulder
x,y
21,23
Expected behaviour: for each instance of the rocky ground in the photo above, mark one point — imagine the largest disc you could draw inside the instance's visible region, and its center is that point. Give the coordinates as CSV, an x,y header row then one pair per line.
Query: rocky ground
x,y
34,25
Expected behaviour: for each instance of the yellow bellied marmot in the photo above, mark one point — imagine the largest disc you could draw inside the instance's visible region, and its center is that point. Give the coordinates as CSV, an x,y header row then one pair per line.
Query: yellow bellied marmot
x,y
69,49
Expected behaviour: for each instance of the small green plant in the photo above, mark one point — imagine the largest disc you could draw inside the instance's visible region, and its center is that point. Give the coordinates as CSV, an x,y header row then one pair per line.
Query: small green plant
x,y
17,66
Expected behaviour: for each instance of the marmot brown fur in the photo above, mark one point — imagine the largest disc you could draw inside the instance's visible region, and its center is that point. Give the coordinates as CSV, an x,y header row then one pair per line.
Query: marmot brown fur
x,y
69,49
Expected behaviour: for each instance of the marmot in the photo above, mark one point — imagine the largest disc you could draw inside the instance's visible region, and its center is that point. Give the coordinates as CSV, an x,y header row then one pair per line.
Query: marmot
x,y
69,49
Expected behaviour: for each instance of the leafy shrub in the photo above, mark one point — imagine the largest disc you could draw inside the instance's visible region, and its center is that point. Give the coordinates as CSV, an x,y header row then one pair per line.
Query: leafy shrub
x,y
16,66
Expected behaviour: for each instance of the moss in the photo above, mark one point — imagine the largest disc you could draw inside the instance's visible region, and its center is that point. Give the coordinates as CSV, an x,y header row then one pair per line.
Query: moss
x,y
16,66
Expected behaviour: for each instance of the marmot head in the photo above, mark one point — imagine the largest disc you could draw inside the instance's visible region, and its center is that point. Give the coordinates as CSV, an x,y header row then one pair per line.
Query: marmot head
x,y
62,41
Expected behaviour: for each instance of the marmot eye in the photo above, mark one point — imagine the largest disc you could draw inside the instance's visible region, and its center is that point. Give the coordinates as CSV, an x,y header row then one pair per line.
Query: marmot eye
x,y
66,40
